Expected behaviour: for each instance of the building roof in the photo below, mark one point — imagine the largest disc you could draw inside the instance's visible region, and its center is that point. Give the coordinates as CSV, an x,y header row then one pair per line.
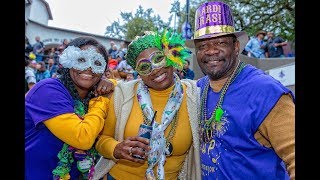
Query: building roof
x,y
74,31
48,9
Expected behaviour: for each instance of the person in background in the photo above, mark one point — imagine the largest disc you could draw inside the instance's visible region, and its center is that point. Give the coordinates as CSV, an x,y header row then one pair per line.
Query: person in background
x,y
114,52
28,47
256,47
136,75
42,71
113,63
120,69
64,115
247,118
63,45
116,75
275,46
52,67
33,65
123,67
111,47
30,77
38,49
123,48
129,76
52,52
108,74
187,73
172,151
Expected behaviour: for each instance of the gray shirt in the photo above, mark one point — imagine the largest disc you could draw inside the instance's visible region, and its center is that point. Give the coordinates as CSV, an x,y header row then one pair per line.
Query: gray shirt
x,y
29,75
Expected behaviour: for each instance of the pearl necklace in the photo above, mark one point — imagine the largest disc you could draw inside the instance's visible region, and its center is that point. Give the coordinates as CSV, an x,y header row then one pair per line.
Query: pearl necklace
x,y
206,129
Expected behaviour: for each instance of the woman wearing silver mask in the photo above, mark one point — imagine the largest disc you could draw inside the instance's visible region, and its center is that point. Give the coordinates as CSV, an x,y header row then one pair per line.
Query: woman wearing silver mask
x,y
63,116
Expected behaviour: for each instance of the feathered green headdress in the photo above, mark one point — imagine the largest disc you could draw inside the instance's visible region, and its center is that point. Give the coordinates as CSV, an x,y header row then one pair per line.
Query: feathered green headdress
x,y
172,44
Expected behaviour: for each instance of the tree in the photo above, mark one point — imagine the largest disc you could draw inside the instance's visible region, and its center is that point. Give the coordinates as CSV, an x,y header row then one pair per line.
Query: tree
x,y
176,10
251,16
131,26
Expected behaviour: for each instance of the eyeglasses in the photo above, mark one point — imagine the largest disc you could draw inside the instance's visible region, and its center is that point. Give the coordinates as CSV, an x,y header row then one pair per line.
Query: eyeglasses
x,y
156,60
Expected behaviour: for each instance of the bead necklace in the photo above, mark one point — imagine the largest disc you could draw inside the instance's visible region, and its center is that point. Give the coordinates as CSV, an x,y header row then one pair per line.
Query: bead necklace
x,y
206,130
68,155
170,134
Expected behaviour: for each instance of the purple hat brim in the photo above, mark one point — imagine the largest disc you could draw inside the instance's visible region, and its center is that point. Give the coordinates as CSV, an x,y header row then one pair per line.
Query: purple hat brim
x,y
241,35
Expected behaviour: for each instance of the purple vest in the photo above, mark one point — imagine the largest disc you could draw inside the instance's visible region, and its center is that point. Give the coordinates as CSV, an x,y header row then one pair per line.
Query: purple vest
x,y
47,99
234,153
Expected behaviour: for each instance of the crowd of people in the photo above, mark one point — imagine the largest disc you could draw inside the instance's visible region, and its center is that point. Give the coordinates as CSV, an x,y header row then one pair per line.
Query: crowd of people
x,y
266,45
38,65
235,122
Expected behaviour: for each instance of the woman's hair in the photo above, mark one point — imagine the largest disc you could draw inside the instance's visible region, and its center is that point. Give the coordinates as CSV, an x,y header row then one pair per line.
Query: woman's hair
x,y
64,74
88,40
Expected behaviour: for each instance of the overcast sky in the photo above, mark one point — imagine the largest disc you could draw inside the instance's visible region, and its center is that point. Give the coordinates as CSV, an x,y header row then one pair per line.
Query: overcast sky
x,y
93,16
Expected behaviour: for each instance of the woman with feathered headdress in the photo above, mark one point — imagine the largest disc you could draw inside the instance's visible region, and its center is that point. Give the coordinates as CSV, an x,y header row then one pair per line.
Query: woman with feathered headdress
x,y
135,142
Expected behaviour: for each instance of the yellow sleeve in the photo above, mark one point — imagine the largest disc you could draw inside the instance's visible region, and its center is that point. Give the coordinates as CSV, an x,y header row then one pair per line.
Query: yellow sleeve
x,y
106,143
80,133
114,81
278,132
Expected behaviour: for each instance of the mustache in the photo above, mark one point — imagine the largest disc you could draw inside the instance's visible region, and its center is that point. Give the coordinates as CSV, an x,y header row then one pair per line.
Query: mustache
x,y
212,58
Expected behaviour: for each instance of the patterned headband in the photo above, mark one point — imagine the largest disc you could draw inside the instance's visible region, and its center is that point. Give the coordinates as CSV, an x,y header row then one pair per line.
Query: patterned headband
x,y
172,44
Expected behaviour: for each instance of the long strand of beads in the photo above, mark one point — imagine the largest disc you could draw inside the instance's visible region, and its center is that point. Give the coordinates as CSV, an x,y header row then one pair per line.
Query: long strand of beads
x,y
207,131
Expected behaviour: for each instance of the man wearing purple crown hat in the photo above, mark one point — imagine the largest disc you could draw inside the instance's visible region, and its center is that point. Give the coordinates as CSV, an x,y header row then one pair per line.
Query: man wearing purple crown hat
x,y
247,119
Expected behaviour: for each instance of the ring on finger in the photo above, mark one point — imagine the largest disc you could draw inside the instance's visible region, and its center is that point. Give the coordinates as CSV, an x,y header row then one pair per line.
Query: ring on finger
x,y
130,151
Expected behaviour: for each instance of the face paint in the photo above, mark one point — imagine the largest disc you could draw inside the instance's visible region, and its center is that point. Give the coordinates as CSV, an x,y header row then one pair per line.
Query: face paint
x,y
74,57
156,60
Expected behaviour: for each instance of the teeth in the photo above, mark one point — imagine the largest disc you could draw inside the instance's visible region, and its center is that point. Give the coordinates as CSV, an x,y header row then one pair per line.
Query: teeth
x,y
214,62
160,78
86,76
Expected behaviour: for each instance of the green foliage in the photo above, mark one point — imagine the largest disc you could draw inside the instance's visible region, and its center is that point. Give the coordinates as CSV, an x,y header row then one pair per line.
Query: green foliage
x,y
133,25
249,15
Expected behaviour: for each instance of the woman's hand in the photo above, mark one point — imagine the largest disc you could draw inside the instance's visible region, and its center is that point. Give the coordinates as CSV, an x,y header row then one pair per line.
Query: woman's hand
x,y
105,88
132,146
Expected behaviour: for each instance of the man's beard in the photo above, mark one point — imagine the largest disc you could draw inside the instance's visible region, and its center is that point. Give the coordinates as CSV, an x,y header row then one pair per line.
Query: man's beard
x,y
225,70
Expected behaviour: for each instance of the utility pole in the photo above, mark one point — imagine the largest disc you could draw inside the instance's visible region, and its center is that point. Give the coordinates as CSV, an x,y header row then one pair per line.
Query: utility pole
x,y
186,26
187,13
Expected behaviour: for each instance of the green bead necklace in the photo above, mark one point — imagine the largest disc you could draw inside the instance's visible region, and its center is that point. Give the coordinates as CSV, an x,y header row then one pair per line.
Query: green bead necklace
x,y
206,128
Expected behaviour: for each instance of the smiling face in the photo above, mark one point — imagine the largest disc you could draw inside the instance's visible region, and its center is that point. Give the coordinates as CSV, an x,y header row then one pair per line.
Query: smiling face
x,y
217,56
86,79
159,78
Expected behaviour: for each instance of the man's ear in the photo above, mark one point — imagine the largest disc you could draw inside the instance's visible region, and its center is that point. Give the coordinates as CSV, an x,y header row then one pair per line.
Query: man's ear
x,y
237,46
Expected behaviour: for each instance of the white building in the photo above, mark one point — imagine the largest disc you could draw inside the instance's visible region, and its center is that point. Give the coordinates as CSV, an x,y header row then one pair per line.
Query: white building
x,y
37,16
